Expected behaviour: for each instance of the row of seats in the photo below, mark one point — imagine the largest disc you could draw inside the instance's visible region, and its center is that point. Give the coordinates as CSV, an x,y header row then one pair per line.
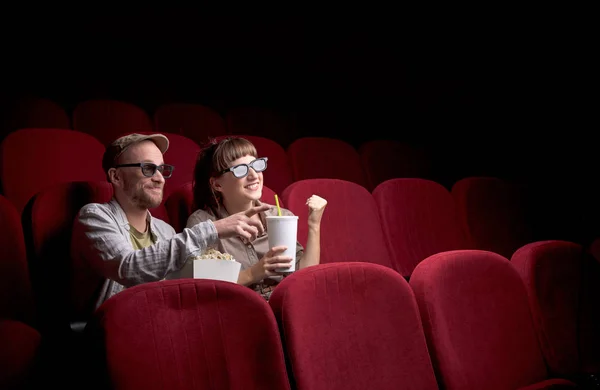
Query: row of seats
x,y
466,320
106,118
33,158
397,225
444,163
400,224
479,212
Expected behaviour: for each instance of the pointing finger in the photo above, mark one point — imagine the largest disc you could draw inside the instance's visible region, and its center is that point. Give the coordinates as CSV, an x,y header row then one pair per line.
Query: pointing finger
x,y
257,209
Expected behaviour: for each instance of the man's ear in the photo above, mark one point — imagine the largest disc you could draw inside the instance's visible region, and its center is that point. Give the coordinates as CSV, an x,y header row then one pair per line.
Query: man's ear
x,y
114,176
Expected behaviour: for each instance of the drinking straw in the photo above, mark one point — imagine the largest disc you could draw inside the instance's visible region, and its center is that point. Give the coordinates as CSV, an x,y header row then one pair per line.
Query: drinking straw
x,y
277,203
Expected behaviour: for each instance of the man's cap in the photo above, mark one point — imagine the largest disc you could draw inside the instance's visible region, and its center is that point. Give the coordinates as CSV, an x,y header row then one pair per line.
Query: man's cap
x,y
115,149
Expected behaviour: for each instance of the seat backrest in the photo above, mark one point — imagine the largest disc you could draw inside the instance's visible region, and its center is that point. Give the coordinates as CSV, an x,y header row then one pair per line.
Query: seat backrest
x,y
38,112
594,249
338,319
160,212
209,334
180,205
323,157
477,321
268,196
64,291
350,226
20,356
388,159
33,159
419,219
195,121
16,297
492,214
107,119
551,271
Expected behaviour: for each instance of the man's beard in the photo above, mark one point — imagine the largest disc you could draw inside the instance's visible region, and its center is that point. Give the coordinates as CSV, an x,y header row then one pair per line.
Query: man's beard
x,y
144,200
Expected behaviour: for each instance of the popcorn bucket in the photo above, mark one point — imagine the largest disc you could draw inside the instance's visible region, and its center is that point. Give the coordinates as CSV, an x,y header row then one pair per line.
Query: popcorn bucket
x,y
217,269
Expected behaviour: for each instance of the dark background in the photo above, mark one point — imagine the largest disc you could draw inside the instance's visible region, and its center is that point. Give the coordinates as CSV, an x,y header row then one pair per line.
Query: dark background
x,y
504,92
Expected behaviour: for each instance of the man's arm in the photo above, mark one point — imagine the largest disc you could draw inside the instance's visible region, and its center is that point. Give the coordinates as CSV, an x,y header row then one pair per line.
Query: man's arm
x,y
98,239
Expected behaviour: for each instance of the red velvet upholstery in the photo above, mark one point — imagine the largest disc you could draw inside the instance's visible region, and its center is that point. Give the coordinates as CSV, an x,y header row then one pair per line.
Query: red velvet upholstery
x,y
419,219
179,206
16,298
63,290
107,119
477,321
492,214
38,112
191,334
19,355
551,271
33,159
350,228
594,249
322,157
352,326
550,384
268,196
160,212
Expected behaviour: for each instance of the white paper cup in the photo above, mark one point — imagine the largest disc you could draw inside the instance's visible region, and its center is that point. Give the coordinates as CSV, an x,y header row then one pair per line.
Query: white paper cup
x,y
283,231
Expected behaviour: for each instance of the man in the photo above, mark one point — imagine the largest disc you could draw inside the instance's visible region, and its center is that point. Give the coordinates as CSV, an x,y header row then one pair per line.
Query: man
x,y
121,241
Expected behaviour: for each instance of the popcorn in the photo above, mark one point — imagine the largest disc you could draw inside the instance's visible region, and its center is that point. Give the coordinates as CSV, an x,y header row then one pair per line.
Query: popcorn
x,y
212,253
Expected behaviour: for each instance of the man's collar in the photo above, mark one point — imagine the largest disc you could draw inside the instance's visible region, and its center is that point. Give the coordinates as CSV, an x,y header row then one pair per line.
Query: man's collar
x,y
122,217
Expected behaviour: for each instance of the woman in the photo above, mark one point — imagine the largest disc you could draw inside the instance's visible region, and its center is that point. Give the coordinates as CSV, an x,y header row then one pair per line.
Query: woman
x,y
228,179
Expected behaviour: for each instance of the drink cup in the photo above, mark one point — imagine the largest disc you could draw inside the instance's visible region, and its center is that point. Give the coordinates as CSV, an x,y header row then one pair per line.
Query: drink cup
x,y
283,231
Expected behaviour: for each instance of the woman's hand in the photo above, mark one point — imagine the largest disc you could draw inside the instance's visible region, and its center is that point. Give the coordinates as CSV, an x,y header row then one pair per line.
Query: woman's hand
x,y
316,206
270,262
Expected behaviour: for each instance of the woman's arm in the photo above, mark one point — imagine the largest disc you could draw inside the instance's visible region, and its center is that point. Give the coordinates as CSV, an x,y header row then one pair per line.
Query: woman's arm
x,y
312,252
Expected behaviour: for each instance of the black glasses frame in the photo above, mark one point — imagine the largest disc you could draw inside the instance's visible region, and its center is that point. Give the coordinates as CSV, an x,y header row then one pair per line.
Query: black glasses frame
x,y
154,167
248,166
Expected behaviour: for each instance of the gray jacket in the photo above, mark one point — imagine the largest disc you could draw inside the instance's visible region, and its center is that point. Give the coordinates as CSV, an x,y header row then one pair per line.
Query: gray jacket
x,y
102,241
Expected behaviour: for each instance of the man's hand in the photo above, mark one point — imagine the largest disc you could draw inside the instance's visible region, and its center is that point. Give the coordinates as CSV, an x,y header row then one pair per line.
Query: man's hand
x,y
242,224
